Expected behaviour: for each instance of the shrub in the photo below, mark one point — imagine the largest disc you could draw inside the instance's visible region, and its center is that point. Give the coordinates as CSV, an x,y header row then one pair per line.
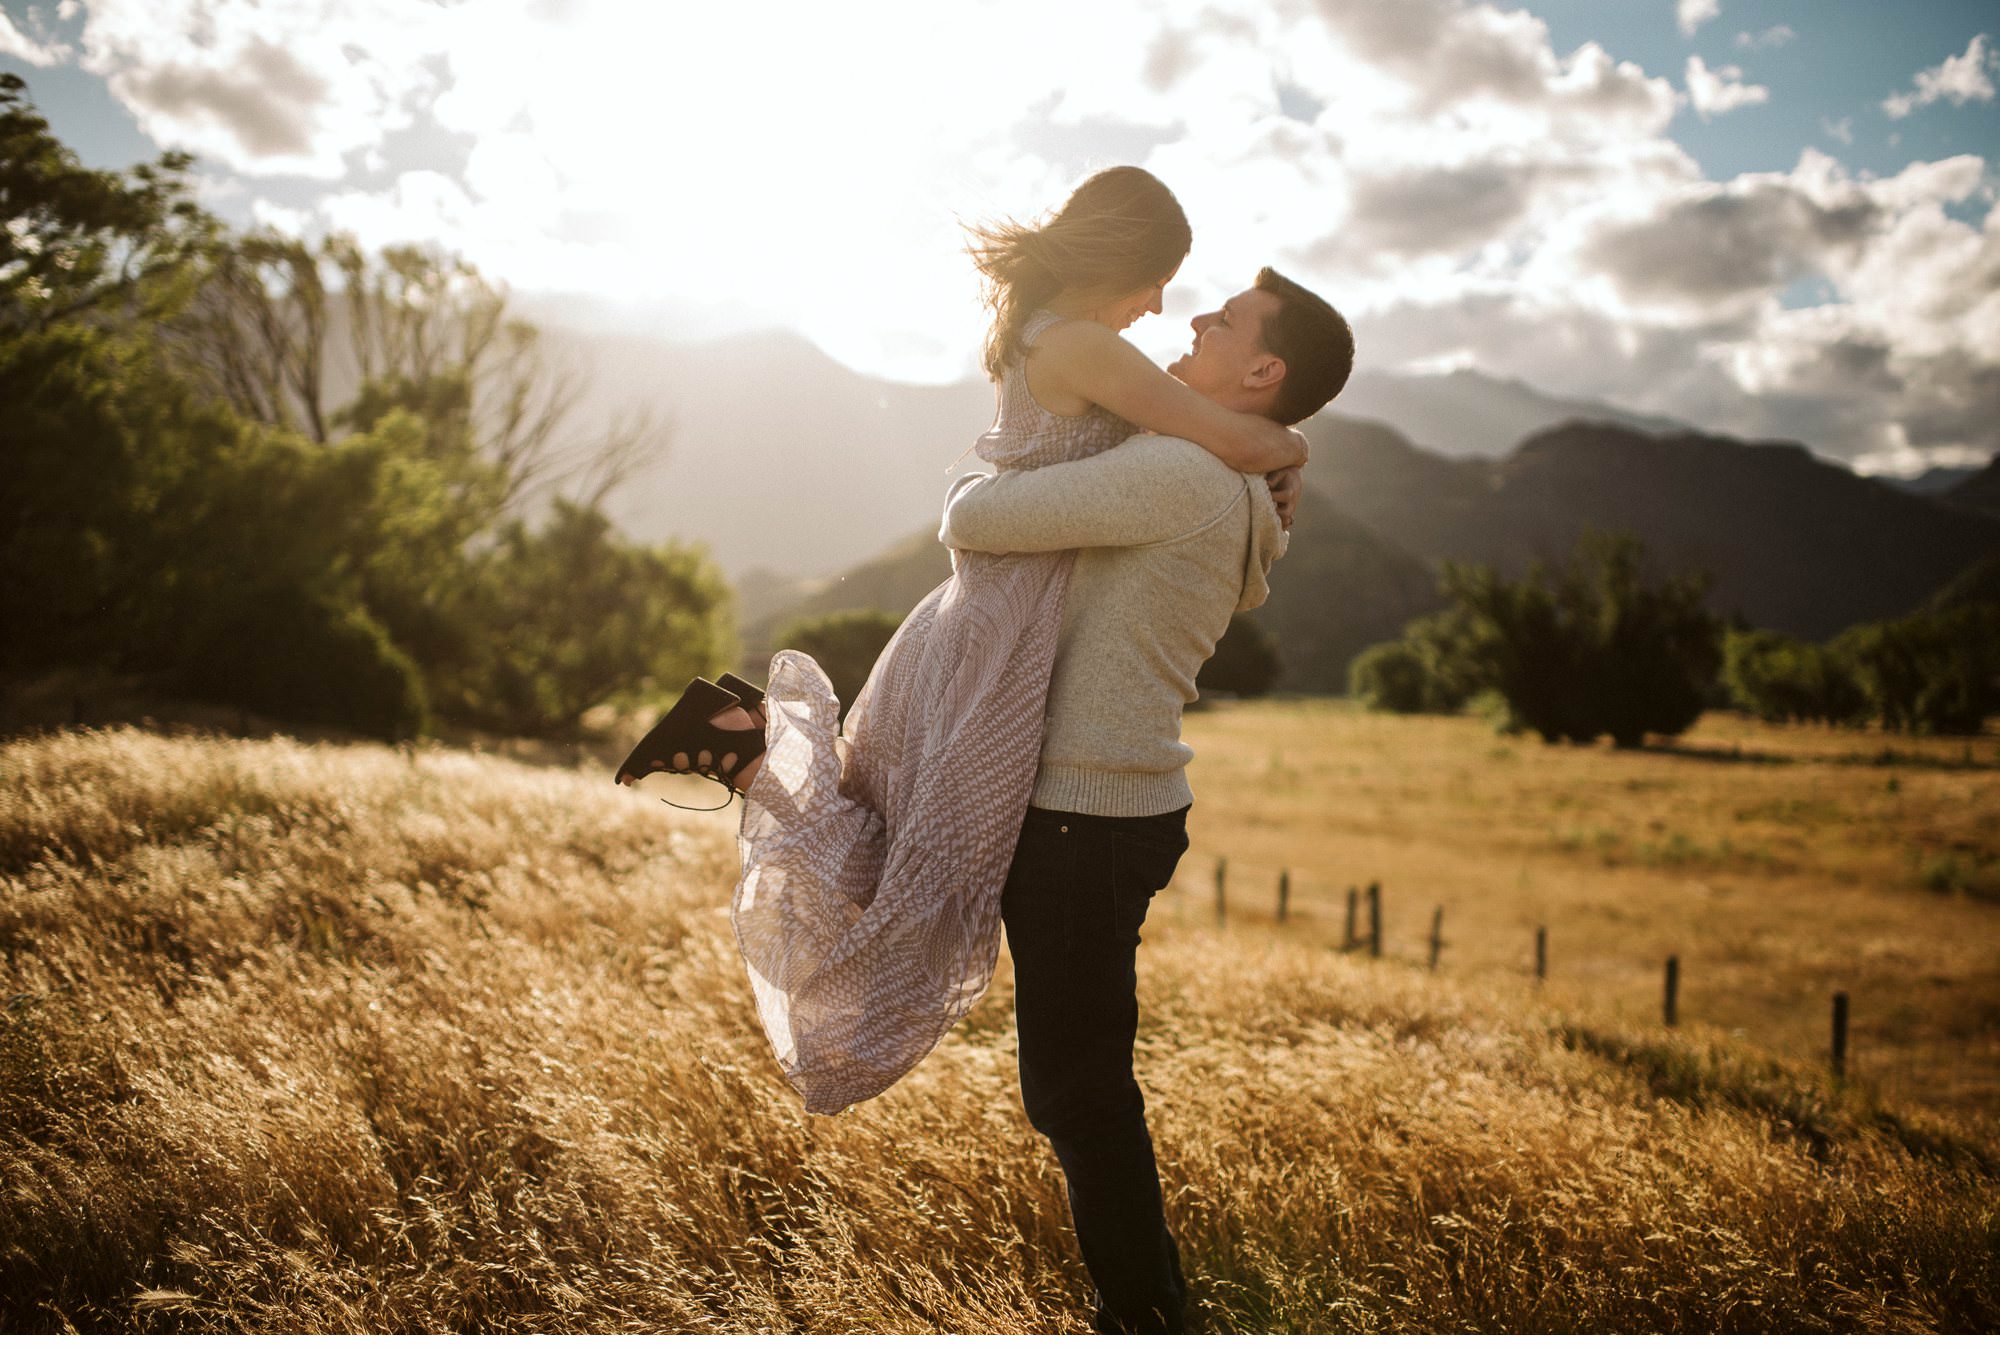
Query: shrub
x,y
312,659
1390,677
845,644
1781,679
569,615
1933,672
1245,661
1599,652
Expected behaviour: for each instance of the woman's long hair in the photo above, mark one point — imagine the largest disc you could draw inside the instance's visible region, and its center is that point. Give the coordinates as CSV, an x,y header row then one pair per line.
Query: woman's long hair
x,y
1121,230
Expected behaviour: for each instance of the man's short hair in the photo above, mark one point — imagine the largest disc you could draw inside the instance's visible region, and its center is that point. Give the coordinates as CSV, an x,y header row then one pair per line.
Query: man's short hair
x,y
1313,341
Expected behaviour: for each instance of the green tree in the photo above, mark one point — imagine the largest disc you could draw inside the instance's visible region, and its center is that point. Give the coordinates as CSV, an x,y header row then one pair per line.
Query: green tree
x,y
569,615
277,327
1598,652
147,531
76,242
1390,677
1437,665
1245,661
845,644
1932,672
184,497
1780,679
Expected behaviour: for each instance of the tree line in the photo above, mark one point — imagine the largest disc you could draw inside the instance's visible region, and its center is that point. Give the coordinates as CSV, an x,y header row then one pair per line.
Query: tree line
x,y
347,488
1592,649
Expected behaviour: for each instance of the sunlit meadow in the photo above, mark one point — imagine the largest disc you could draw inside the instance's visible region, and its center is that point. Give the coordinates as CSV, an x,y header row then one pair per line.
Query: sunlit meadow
x,y
319,1038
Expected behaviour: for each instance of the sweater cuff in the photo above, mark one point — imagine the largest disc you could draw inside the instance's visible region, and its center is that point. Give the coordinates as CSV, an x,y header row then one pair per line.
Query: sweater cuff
x,y
1097,791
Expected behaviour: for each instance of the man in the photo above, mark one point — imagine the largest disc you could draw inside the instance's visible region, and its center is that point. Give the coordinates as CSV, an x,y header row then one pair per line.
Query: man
x,y
1172,543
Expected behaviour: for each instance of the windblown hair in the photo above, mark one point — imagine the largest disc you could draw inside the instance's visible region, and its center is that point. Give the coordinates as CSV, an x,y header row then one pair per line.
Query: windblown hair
x,y
1121,230
1313,340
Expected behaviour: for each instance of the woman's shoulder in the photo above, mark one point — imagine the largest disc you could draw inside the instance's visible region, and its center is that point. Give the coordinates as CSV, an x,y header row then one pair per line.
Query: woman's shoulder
x,y
1062,348
1047,331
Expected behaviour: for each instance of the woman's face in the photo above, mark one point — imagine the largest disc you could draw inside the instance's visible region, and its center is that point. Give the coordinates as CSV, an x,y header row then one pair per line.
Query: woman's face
x,y
1121,312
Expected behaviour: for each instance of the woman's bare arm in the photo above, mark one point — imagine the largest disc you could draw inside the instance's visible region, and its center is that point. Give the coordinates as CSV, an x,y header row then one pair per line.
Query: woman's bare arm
x,y
1089,361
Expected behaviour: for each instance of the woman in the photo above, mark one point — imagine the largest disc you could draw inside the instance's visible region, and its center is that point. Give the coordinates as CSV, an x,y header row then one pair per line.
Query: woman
x,y
868,909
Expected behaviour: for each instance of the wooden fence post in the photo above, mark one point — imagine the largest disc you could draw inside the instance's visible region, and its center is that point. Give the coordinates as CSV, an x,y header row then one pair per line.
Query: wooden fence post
x,y
1374,918
1221,891
1673,1011
1840,1035
1284,893
1437,934
1353,901
1541,954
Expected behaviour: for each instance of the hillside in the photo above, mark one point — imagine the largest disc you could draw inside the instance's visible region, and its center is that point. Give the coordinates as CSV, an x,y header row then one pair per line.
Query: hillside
x,y
792,466
1338,589
1468,415
893,581
1978,491
351,1040
784,460
781,458
1934,481
1795,543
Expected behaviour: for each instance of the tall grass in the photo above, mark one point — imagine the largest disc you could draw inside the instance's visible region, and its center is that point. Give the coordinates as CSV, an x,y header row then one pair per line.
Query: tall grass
x,y
300,1039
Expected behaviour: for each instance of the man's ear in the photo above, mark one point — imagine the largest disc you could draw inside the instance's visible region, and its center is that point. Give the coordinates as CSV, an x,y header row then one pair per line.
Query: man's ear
x,y
1268,373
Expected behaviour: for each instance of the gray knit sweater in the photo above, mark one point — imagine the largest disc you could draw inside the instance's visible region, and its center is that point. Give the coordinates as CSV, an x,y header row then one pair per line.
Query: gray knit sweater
x,y
1171,543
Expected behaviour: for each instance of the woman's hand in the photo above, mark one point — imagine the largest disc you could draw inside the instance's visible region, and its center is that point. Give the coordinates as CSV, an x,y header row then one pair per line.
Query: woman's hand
x,y
1271,448
1285,485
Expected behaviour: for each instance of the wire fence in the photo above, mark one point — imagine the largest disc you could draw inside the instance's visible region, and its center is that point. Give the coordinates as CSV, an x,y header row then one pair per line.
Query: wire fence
x,y
1228,892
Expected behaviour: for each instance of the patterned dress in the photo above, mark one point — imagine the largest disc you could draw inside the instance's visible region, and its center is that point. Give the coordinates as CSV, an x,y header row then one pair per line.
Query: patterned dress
x,y
868,911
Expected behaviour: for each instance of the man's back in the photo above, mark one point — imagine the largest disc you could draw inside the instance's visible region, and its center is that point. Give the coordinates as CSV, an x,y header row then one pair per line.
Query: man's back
x,y
1172,542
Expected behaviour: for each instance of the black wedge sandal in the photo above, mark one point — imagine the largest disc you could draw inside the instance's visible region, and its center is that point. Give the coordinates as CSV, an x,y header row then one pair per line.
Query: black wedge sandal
x,y
686,730
747,693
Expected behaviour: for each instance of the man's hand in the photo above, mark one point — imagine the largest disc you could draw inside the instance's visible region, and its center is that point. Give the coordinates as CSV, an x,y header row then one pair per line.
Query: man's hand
x,y
1285,485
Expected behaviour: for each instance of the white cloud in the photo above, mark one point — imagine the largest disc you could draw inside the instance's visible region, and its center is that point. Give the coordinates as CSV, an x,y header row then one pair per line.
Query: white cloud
x,y
1436,167
1842,130
1962,79
288,220
1771,37
36,52
1692,14
1714,92
265,86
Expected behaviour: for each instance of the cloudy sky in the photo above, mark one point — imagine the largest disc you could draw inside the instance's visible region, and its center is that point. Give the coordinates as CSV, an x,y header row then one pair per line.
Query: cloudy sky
x,y
1772,217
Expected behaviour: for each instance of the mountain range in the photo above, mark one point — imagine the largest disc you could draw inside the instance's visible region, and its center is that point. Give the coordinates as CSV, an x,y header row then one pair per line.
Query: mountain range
x,y
785,462
818,488
1792,543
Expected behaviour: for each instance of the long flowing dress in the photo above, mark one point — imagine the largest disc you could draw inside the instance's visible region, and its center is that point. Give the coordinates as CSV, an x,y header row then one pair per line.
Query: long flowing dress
x,y
868,911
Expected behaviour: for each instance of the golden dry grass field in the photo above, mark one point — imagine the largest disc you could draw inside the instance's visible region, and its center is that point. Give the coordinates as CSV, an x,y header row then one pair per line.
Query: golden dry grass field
x,y
312,1038
1780,864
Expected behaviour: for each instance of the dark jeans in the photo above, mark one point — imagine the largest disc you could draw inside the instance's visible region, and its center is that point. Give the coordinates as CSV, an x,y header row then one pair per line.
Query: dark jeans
x,y
1076,895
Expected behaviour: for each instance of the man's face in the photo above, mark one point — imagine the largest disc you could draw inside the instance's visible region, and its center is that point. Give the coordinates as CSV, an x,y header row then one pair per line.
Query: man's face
x,y
1228,346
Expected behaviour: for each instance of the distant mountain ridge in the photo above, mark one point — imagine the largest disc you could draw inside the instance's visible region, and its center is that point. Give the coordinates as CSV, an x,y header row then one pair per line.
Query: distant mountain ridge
x,y
1979,491
785,461
1793,543
1934,481
790,465
1464,414
1338,589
